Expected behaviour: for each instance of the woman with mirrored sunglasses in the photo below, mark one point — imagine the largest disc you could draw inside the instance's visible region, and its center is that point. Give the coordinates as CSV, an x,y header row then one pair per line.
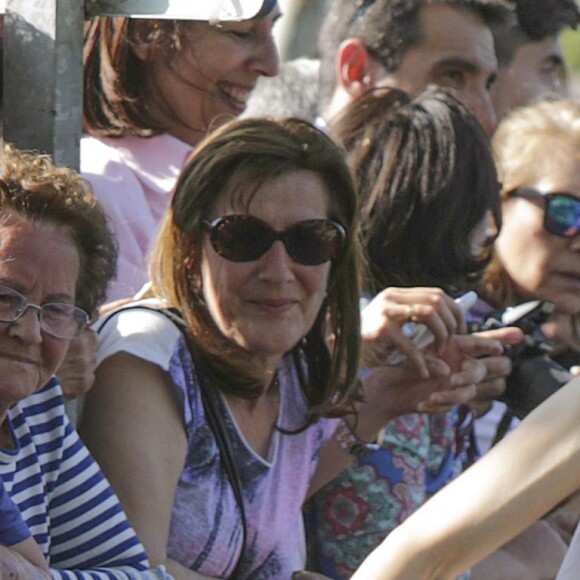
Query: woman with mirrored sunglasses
x,y
537,255
259,255
56,257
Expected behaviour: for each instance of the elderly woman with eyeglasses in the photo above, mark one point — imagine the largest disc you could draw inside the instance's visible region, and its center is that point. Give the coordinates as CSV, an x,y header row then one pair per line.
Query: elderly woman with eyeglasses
x,y
220,407
56,257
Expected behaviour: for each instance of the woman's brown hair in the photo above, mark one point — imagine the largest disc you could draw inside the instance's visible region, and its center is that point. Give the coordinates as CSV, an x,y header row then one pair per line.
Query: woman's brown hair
x,y
249,153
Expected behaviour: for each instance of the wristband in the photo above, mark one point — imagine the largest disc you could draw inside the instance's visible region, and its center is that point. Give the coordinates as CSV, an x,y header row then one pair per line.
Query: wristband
x,y
350,443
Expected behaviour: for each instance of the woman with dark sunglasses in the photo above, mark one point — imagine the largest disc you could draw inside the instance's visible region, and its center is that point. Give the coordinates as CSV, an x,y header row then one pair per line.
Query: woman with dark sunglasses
x,y
218,422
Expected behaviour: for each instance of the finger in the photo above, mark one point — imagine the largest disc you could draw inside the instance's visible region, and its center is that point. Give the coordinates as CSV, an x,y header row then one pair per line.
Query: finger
x,y
476,345
490,389
507,336
498,367
443,317
427,301
459,396
473,372
432,319
437,367
413,354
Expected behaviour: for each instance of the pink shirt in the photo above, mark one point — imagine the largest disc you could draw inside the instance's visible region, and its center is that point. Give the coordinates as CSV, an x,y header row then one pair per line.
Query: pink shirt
x,y
133,178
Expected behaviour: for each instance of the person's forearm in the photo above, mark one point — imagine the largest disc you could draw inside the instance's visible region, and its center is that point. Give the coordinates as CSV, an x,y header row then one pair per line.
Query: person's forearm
x,y
513,485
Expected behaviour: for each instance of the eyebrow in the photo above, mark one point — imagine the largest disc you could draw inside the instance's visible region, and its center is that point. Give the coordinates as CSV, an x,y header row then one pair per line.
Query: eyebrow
x,y
460,63
59,297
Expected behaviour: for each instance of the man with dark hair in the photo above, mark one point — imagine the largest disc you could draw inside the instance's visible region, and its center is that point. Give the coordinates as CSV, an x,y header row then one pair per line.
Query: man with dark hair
x,y
409,44
527,45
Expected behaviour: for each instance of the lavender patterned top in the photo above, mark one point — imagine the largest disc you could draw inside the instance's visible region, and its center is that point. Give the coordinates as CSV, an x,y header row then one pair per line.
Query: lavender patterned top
x,y
206,531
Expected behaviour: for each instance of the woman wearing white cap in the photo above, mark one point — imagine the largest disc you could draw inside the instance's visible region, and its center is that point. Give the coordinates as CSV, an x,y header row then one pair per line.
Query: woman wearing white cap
x,y
153,89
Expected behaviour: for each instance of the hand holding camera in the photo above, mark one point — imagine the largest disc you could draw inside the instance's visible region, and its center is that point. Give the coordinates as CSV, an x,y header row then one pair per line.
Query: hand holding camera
x,y
535,376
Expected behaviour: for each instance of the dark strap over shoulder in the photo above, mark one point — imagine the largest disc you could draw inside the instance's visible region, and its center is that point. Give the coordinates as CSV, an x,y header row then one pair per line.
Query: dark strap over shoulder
x,y
211,414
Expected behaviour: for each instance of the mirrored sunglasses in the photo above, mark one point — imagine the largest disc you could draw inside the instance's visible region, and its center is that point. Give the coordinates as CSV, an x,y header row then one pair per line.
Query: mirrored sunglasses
x,y
561,210
57,319
244,238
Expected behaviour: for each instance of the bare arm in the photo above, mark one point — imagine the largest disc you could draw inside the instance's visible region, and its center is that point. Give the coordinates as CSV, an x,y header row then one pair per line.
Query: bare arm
x,y
513,485
132,424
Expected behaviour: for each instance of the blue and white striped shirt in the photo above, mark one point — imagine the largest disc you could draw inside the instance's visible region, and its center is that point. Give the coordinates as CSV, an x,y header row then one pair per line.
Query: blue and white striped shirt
x,y
63,496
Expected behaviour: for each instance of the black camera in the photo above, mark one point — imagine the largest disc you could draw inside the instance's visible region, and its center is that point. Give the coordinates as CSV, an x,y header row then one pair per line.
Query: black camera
x,y
535,376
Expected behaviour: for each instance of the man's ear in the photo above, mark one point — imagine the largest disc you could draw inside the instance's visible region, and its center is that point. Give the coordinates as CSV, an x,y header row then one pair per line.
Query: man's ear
x,y
353,67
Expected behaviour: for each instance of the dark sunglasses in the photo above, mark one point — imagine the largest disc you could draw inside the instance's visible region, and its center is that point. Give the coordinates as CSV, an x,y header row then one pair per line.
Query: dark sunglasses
x,y
244,238
562,211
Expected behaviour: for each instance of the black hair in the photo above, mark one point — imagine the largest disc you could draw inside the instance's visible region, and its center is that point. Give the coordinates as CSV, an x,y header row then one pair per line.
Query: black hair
x,y
426,178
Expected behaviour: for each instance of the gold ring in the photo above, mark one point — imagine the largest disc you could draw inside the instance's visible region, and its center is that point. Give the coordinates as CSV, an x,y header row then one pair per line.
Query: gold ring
x,y
411,313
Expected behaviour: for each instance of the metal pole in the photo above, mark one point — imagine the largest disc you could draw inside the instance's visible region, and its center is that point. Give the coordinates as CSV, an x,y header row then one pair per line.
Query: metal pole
x,y
43,77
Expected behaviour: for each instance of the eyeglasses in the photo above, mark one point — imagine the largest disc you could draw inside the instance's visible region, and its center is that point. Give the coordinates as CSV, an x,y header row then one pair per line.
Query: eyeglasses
x,y
244,238
56,319
562,211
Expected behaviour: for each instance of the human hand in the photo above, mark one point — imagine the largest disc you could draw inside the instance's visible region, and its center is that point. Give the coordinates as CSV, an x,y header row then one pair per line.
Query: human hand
x,y
384,317
467,371
76,373
498,369
14,566
392,391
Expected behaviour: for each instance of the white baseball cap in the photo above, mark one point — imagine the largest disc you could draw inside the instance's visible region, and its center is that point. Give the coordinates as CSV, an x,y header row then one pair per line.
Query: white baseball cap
x,y
208,10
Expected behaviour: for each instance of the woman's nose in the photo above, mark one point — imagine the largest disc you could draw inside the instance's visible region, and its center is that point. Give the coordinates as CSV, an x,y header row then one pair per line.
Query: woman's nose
x,y
27,327
276,264
266,60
